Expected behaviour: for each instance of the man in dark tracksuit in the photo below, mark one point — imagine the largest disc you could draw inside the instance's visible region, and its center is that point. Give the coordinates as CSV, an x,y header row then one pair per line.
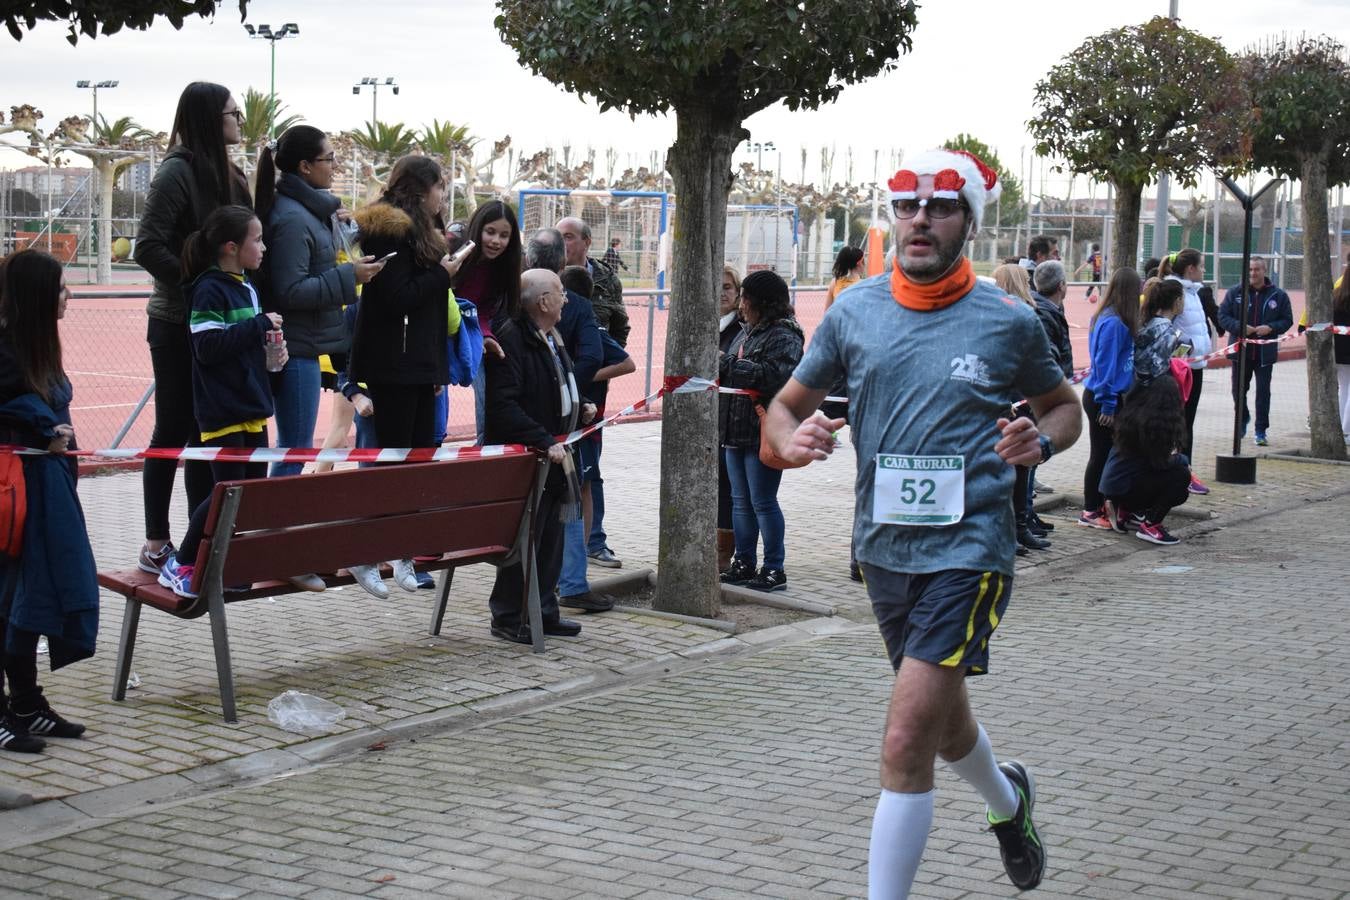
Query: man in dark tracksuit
x,y
1270,316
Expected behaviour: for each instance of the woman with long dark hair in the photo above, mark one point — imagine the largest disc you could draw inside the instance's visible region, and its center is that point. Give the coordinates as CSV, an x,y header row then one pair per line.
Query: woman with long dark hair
x,y
1111,361
195,177
848,271
1144,474
1188,268
304,281
398,344
51,587
490,278
728,330
762,360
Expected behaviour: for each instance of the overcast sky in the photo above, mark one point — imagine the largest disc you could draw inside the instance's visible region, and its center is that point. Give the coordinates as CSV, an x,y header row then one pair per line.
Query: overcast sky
x,y
973,68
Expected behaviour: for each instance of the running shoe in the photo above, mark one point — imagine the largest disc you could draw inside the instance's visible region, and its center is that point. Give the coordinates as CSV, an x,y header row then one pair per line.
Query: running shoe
x,y
739,572
1095,518
153,561
46,722
1119,517
768,580
1156,534
1018,843
1261,439
177,577
1197,486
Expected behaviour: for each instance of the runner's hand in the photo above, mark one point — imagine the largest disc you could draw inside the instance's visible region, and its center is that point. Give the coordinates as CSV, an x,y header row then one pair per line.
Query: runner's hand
x,y
813,439
1020,444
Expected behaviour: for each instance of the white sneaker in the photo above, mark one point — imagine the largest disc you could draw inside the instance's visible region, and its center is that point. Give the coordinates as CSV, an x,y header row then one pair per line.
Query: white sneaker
x,y
369,579
404,574
308,582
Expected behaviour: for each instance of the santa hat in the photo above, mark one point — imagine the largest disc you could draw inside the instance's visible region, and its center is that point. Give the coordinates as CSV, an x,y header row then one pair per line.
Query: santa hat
x,y
956,174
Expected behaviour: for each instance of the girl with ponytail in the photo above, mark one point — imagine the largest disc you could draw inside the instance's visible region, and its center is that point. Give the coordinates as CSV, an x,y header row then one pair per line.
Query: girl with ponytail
x,y
305,280
1188,268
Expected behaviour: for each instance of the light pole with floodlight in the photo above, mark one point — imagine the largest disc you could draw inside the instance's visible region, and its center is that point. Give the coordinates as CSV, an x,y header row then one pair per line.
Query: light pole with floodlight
x,y
265,32
95,86
375,84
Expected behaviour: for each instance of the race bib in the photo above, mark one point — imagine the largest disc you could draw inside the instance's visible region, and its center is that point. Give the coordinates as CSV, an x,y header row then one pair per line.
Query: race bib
x,y
919,490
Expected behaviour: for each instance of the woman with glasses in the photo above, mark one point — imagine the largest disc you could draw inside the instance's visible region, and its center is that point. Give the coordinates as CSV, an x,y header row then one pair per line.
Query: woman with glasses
x,y
194,179
303,279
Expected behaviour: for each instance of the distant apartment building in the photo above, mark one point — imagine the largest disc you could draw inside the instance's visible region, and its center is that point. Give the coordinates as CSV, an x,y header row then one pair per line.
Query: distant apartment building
x,y
62,183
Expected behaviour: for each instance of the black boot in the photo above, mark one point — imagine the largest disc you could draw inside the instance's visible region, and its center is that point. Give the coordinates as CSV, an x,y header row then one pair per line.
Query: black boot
x,y
1027,538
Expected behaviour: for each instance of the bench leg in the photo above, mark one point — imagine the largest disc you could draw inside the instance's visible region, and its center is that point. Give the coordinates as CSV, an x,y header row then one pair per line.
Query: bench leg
x,y
220,639
131,620
442,598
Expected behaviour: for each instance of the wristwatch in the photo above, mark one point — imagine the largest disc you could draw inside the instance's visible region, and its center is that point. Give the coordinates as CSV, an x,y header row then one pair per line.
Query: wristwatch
x,y
1047,448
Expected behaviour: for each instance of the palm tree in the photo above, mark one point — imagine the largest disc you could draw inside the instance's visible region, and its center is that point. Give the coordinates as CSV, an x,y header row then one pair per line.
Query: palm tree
x,y
384,141
453,145
122,132
259,110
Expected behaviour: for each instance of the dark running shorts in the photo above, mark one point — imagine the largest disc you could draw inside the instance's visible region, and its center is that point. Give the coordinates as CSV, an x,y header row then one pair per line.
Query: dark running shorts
x,y
945,618
588,460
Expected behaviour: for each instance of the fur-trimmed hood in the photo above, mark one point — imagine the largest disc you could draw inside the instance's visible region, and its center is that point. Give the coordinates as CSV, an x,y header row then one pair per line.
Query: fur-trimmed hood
x,y
384,220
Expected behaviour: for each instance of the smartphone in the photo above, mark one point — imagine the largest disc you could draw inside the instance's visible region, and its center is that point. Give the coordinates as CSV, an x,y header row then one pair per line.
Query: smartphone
x,y
387,256
463,252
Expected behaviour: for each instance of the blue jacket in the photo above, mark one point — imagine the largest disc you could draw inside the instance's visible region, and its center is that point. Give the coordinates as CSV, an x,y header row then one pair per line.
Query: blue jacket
x,y
229,365
1270,306
52,588
581,336
464,349
1111,357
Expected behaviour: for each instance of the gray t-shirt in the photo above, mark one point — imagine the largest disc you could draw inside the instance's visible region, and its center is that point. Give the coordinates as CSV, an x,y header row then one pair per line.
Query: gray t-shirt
x,y
933,384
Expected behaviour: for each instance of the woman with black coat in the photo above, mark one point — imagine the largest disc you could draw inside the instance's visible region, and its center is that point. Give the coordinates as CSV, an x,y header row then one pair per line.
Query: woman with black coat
x,y
729,329
762,360
195,177
398,348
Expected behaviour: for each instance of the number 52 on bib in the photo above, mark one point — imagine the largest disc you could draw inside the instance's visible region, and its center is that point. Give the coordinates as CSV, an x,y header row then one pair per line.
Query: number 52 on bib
x,y
919,490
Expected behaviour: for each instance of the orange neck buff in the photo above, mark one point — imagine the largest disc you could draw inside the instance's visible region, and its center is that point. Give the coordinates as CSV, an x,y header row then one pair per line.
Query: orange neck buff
x,y
941,293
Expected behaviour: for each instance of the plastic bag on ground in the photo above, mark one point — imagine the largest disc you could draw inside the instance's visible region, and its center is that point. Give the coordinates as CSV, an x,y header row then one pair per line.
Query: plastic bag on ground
x,y
304,713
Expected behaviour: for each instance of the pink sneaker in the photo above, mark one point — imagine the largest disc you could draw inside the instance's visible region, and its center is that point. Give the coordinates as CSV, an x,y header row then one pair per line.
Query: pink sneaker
x,y
1095,518
1197,486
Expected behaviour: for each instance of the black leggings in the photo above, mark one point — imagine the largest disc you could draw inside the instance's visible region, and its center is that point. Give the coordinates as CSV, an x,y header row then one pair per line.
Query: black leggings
x,y
221,471
1192,405
1100,438
19,667
175,426
405,414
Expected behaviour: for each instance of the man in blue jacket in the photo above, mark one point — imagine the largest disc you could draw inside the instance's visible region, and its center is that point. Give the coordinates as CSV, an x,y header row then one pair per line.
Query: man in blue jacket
x,y
1268,317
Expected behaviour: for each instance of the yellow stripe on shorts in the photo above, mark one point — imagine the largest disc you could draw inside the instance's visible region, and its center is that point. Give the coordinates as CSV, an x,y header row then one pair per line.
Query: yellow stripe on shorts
x,y
955,658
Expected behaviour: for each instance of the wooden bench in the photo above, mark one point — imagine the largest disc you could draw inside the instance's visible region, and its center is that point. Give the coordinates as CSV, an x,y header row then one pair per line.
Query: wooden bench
x,y
258,532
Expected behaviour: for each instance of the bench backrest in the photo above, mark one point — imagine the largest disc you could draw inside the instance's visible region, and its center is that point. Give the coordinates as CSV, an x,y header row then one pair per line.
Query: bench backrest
x,y
319,523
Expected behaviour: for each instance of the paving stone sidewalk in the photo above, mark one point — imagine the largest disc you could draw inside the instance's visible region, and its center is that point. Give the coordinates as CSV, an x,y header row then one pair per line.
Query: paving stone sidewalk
x,y
376,660
1187,742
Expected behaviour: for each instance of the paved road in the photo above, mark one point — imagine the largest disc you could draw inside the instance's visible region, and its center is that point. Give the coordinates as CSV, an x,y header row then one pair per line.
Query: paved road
x,y
1183,710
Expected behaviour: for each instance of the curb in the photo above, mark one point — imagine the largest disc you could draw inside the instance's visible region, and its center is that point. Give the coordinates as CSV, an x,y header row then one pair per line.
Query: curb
x,y
68,815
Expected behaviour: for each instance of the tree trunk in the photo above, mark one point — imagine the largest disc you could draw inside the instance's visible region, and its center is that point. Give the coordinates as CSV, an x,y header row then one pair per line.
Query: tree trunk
x,y
1126,237
700,165
107,178
1327,440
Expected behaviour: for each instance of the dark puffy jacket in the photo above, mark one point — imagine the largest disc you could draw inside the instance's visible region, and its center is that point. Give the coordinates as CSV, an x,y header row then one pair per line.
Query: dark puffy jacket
x,y
229,363
303,279
174,208
1270,306
401,329
607,299
763,361
1057,329
523,404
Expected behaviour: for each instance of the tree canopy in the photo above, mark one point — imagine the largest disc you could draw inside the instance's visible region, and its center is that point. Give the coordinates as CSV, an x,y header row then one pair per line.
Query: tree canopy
x,y
94,17
1132,103
1296,88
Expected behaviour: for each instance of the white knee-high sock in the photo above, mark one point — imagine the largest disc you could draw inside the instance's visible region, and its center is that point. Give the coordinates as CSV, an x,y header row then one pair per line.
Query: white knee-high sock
x,y
899,833
979,769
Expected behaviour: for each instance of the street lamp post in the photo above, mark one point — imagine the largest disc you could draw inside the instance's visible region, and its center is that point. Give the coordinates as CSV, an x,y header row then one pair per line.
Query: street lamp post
x,y
265,33
375,84
93,139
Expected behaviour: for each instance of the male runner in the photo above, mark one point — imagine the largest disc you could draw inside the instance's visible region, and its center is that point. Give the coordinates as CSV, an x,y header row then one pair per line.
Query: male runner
x,y
932,359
